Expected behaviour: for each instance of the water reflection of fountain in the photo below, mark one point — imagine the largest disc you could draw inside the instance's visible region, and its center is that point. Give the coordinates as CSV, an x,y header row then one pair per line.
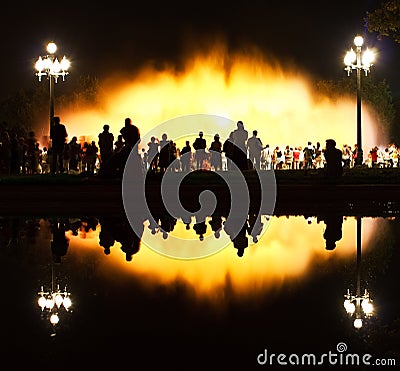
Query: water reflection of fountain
x,y
358,305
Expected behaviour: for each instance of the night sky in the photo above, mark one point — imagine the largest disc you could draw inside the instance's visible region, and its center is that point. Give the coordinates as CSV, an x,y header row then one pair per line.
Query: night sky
x,y
117,36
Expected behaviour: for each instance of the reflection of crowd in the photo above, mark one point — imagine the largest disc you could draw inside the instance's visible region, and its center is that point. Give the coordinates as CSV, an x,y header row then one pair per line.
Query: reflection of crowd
x,y
24,155
116,231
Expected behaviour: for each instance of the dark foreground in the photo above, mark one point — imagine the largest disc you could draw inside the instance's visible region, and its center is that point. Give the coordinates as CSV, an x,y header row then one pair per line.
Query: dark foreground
x,y
365,192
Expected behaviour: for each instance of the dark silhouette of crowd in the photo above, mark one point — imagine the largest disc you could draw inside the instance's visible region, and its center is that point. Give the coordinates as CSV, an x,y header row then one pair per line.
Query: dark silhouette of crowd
x,y
107,157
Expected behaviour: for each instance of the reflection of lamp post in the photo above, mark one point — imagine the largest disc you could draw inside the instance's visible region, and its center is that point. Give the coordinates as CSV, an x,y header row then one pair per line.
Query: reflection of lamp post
x,y
53,301
50,66
358,61
360,305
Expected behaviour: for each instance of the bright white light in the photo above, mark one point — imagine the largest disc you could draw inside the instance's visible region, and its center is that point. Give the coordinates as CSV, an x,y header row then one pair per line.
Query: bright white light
x,y
358,41
49,303
39,65
42,302
350,57
56,68
350,308
51,48
67,302
367,307
54,319
368,57
59,300
358,323
65,63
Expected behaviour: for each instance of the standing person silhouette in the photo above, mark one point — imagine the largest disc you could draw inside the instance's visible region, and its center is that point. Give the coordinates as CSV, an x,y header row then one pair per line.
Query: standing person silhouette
x,y
186,156
240,136
216,153
58,136
200,146
130,133
333,158
106,144
228,148
255,147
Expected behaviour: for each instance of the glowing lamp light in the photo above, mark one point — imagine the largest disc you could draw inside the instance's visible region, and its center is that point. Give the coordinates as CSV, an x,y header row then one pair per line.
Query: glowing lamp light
x,y
361,305
51,48
350,307
358,41
67,303
54,319
367,306
52,302
358,323
368,57
42,302
49,303
58,299
65,64
350,57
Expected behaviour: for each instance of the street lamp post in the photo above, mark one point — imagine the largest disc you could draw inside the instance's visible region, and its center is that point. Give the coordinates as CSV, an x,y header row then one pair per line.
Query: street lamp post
x,y
356,60
52,68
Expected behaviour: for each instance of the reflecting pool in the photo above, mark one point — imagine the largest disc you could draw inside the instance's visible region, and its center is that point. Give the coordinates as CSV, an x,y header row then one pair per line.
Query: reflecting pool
x,y
118,300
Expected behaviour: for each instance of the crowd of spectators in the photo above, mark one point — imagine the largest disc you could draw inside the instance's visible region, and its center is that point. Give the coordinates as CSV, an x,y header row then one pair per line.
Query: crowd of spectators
x,y
24,155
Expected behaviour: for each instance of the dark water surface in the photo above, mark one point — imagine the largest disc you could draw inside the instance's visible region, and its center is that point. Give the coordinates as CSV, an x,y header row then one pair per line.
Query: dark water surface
x,y
134,308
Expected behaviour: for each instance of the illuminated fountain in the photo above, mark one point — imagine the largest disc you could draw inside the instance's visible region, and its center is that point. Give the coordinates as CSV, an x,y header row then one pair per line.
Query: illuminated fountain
x,y
280,102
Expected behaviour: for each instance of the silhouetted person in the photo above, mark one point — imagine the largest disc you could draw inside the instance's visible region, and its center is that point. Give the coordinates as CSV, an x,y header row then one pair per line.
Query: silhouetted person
x,y
167,222
165,153
201,229
333,230
216,153
59,242
239,137
74,225
255,226
119,143
74,149
186,156
199,146
153,153
241,241
32,160
89,223
216,225
106,144
255,147
228,148
130,136
127,237
58,136
237,236
333,158
130,133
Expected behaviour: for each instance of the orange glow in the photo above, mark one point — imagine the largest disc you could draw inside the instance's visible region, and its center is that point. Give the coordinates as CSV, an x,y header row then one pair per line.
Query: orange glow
x,y
279,102
278,257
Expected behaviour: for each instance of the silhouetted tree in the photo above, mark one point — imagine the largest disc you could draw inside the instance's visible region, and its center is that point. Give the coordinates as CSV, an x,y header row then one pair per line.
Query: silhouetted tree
x,y
386,19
